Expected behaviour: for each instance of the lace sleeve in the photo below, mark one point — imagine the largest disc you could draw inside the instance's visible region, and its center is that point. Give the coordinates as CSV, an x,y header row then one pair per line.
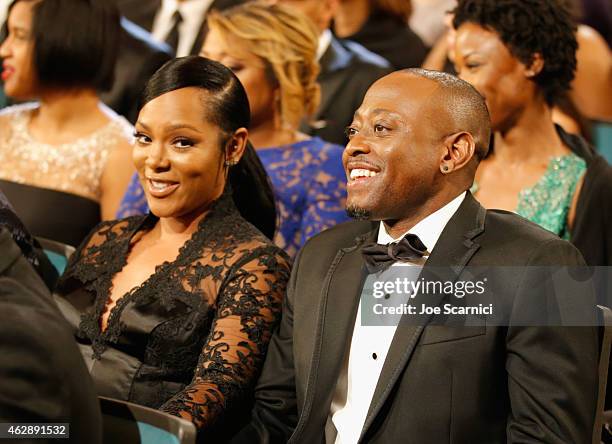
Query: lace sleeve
x,y
247,312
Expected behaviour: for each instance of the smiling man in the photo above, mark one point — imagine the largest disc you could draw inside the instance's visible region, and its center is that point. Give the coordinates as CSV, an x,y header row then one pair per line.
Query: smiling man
x,y
414,146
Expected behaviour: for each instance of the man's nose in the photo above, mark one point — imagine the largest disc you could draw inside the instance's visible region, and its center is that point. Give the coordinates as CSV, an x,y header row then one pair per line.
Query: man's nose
x,y
5,48
357,145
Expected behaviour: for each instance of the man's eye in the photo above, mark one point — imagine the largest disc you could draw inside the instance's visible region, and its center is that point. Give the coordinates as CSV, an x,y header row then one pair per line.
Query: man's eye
x,y
380,129
350,132
142,139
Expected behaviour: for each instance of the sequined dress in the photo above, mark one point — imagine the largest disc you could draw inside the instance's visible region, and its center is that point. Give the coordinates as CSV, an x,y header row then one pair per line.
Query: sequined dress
x,y
547,203
310,187
191,339
55,189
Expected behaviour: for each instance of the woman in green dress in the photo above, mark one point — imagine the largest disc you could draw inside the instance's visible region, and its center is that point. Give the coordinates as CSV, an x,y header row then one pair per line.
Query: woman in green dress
x,y
521,56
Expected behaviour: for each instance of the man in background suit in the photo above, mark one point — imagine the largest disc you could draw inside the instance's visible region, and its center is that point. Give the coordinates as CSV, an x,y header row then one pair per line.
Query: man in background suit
x,y
414,147
347,71
42,374
179,23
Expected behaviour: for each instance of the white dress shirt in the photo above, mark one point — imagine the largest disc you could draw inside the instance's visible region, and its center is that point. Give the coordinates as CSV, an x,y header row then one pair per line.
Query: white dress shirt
x,y
370,344
192,13
324,41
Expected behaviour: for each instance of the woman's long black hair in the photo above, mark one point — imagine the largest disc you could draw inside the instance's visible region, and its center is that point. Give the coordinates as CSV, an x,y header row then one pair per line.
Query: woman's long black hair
x,y
229,110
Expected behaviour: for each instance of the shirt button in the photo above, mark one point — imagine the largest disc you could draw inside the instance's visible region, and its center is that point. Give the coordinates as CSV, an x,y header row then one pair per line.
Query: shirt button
x,y
374,356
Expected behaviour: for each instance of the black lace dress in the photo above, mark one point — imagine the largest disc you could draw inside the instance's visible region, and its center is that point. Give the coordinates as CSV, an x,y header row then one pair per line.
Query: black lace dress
x,y
192,338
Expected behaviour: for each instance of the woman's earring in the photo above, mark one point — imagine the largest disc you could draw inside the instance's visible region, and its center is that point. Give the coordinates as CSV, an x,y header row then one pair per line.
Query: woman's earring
x,y
445,169
230,162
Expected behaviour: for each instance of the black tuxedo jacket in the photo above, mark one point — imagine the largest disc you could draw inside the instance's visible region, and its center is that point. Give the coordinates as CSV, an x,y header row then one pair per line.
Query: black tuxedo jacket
x,y
461,385
42,374
143,14
138,58
347,71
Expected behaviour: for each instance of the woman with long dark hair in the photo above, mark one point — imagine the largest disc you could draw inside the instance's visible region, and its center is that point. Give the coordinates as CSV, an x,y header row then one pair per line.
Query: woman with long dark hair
x,y
174,310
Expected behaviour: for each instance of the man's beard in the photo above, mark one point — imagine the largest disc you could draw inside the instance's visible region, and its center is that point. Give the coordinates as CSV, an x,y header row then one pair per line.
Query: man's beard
x,y
358,213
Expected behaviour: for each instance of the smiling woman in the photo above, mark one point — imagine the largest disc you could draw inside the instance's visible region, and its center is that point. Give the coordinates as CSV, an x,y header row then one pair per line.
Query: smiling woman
x,y
64,159
174,310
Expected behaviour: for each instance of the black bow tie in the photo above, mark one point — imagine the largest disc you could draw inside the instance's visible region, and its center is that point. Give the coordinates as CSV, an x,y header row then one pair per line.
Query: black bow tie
x,y
379,257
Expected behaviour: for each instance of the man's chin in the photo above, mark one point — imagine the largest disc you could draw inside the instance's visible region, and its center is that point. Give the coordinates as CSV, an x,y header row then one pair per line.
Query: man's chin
x,y
358,213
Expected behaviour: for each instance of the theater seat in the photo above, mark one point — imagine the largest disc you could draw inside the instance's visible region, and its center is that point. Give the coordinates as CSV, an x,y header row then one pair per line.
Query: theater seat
x,y
127,423
603,418
57,252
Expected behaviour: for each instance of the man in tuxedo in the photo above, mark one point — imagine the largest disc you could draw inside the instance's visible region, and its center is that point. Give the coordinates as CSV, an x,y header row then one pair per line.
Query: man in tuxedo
x,y
178,23
414,147
43,377
347,71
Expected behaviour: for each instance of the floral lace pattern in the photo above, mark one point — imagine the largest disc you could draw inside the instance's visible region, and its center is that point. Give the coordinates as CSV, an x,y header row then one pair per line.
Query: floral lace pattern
x,y
207,316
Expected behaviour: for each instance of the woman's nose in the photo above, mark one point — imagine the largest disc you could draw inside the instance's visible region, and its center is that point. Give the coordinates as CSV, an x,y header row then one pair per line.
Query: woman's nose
x,y
157,158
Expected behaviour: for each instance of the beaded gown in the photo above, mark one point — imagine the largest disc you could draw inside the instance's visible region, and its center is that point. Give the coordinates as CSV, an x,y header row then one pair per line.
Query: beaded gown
x,y
548,202
191,339
55,189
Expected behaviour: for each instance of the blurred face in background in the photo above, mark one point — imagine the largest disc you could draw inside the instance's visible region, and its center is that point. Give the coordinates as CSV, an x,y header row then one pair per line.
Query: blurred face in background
x,y
321,12
482,59
17,53
178,154
251,71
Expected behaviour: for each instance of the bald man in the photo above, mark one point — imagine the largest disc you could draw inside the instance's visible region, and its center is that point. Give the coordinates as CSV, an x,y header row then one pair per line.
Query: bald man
x,y
335,375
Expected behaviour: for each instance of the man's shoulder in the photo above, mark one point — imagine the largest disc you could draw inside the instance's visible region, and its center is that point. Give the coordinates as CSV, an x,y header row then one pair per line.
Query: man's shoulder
x,y
520,241
340,236
347,55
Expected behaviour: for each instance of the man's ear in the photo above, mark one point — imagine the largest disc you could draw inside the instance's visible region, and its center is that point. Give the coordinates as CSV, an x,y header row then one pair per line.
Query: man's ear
x,y
459,149
235,146
535,67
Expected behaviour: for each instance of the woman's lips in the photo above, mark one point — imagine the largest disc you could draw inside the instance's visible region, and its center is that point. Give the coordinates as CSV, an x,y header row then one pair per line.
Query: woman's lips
x,y
159,189
7,71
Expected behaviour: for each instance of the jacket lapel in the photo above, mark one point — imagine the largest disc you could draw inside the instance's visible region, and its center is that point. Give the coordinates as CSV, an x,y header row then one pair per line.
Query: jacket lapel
x,y
338,309
334,59
452,252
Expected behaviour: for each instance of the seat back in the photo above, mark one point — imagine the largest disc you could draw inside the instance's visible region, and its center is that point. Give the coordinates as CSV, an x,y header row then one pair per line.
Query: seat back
x,y
57,252
127,423
604,362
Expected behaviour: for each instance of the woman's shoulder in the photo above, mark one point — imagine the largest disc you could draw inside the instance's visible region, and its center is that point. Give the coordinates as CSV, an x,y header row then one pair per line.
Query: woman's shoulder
x,y
11,114
118,124
112,231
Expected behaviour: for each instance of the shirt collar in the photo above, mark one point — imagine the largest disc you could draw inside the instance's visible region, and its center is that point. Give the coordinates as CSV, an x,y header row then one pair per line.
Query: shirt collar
x,y
189,9
428,229
324,41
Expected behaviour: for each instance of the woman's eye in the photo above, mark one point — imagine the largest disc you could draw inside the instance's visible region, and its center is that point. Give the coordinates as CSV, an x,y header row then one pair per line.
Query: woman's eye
x,y
350,132
142,139
183,143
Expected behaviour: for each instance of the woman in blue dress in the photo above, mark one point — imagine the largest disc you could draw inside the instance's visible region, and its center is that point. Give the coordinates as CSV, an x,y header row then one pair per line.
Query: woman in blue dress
x,y
273,51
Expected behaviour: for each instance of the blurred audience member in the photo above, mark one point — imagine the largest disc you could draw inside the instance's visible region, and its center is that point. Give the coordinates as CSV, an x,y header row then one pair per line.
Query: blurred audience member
x,y
138,58
347,71
174,310
64,161
598,15
42,375
521,57
592,87
178,23
427,18
30,248
382,27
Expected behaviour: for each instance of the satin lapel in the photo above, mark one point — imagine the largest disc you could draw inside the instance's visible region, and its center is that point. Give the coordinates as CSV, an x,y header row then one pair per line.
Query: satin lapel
x,y
452,252
338,309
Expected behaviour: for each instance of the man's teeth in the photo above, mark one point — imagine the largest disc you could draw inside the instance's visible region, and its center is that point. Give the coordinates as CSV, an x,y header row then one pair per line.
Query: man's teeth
x,y
358,172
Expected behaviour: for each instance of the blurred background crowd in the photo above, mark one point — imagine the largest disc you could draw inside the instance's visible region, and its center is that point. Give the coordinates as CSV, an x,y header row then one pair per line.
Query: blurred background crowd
x,y
73,76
